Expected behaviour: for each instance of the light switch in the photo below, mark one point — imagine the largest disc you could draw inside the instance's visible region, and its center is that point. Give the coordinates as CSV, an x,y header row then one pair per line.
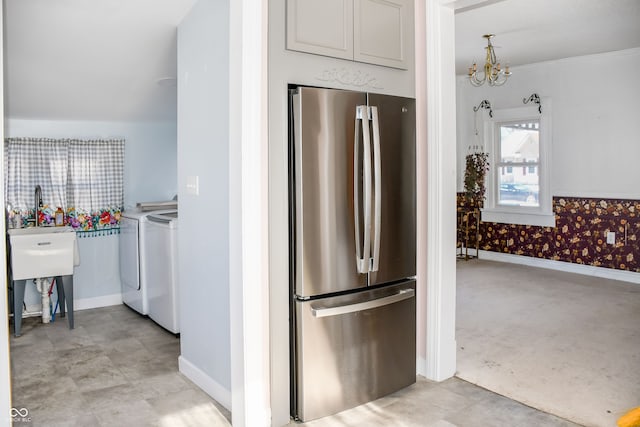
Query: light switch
x,y
193,186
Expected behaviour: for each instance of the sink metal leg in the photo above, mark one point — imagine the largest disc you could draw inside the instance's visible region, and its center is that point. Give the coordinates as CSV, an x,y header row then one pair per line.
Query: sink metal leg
x,y
18,300
61,299
67,291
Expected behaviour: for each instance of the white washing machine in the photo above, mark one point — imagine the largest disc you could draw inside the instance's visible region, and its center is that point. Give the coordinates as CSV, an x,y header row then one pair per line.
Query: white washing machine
x,y
133,258
162,269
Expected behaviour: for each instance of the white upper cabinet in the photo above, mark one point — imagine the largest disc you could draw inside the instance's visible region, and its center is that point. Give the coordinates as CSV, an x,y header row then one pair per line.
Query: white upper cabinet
x,y
321,27
373,31
383,32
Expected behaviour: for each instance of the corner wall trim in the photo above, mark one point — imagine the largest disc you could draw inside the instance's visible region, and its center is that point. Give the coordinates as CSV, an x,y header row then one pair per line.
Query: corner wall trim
x,y
589,270
440,351
205,382
421,366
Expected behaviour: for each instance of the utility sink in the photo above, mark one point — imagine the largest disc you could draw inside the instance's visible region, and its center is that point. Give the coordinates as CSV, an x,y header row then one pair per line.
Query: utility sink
x,y
42,252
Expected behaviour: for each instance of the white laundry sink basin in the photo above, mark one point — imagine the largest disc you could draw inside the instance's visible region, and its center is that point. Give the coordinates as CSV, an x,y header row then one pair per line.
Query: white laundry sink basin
x,y
42,252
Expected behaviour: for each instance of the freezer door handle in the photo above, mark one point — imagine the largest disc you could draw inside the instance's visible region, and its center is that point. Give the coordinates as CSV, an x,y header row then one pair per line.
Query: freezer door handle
x,y
377,190
362,251
361,306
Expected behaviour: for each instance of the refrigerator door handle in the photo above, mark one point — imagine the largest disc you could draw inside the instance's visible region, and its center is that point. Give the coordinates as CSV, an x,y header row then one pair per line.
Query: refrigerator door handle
x,y
361,306
362,122
377,183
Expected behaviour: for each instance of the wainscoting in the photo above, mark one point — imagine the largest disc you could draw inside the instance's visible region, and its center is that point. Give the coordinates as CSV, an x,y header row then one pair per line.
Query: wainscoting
x,y
579,237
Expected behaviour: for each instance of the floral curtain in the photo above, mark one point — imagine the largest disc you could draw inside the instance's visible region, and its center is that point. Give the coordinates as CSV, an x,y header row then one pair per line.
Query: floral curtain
x,y
83,177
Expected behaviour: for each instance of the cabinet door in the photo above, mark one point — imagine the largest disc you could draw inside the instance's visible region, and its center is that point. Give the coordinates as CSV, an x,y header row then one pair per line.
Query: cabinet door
x,y
321,27
383,32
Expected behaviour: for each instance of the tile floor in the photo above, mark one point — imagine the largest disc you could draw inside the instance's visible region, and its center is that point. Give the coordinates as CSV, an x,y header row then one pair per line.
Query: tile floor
x,y
116,368
120,369
452,403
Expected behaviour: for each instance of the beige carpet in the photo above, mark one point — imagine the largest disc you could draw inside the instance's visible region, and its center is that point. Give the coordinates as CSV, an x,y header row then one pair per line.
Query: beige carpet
x,y
563,343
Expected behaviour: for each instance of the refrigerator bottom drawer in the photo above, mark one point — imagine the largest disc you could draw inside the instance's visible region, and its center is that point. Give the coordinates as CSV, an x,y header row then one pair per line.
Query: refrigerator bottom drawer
x,y
352,349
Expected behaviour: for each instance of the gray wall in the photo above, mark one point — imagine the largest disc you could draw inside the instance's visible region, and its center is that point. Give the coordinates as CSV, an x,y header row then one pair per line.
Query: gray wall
x,y
203,151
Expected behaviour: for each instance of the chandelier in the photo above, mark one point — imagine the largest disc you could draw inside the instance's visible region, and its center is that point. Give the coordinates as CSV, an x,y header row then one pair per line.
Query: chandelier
x,y
493,74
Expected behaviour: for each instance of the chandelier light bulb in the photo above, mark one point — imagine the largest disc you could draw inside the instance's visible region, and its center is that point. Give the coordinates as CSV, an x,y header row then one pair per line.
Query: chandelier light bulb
x,y
492,72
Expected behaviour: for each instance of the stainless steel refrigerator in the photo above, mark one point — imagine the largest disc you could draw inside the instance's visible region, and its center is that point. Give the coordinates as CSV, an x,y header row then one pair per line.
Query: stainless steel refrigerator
x,y
353,251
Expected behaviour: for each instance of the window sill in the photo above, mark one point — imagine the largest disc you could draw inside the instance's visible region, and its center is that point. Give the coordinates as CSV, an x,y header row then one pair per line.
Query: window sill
x,y
522,218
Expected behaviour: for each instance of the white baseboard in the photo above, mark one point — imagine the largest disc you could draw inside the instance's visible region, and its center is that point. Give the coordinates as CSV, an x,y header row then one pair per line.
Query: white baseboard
x,y
78,304
205,382
589,270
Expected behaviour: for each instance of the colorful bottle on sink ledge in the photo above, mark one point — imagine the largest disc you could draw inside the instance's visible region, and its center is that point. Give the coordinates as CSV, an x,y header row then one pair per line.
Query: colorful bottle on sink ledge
x,y
59,217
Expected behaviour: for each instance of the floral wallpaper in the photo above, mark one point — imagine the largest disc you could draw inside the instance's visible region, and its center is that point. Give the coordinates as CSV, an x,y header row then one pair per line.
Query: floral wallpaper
x,y
580,234
101,222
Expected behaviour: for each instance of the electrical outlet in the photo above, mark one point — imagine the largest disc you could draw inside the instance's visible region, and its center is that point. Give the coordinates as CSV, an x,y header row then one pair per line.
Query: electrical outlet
x,y
611,238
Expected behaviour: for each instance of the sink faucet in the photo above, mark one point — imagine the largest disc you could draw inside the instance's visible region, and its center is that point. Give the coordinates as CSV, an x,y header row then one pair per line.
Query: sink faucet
x,y
38,203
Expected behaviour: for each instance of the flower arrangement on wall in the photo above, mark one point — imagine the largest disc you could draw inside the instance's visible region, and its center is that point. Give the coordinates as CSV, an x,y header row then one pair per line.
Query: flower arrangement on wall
x,y
475,172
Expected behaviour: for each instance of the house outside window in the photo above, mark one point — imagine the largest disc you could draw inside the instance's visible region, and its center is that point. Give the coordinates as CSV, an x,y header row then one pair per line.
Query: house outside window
x,y
518,148
518,188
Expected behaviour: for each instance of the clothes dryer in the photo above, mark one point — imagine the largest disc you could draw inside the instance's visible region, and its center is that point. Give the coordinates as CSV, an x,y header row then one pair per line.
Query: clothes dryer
x,y
162,269
133,258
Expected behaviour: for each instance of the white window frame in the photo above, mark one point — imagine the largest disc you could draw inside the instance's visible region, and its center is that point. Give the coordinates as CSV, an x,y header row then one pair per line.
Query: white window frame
x,y
542,214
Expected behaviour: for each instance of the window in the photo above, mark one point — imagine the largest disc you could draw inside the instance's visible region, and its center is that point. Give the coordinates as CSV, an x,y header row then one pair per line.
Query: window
x,y
518,188
83,177
518,146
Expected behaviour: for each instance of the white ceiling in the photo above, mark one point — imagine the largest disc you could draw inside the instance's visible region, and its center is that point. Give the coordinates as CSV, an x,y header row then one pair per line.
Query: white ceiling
x,y
91,59
101,60
530,31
